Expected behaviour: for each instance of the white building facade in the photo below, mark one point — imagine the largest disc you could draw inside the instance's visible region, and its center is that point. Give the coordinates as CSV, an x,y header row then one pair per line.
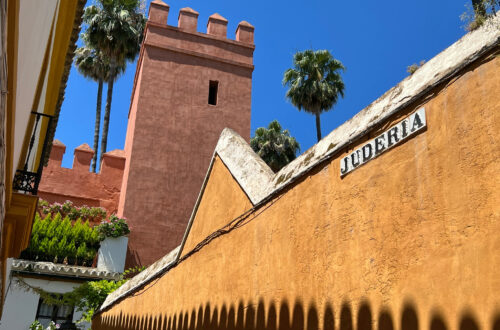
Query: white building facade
x,y
23,306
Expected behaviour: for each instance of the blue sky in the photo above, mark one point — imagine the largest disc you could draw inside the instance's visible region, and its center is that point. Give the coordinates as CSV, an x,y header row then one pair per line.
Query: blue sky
x,y
375,40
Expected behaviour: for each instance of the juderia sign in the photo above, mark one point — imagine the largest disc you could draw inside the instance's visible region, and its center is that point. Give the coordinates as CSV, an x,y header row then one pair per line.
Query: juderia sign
x,y
385,141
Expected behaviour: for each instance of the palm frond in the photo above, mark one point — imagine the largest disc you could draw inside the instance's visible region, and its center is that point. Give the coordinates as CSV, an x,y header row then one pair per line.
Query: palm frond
x,y
314,81
275,146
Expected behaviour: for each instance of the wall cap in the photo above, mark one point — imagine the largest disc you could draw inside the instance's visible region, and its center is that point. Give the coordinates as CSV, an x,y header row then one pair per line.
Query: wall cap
x,y
189,10
49,268
58,143
152,271
217,17
84,147
246,24
117,153
159,3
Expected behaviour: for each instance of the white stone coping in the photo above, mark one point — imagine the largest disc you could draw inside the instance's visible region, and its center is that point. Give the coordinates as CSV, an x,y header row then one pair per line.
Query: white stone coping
x,y
463,52
259,182
50,268
143,277
251,172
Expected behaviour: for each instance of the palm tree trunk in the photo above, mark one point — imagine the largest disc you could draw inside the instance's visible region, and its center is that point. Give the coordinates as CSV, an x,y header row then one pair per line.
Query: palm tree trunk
x,y
97,124
318,127
107,110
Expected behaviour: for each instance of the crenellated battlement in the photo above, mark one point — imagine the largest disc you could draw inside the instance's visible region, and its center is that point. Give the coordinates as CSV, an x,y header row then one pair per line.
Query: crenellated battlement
x,y
214,45
78,184
188,21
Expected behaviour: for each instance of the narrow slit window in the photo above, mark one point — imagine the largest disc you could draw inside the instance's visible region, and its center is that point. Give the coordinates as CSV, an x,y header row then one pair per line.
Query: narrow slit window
x,y
213,89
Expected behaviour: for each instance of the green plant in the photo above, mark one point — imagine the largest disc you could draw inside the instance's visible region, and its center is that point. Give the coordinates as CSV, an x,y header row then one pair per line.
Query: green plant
x,y
411,69
38,326
93,214
114,227
478,12
314,83
91,295
275,146
58,240
95,66
114,29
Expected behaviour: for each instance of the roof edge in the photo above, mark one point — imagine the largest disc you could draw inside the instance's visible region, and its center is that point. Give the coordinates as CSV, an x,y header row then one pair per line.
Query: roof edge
x,y
50,268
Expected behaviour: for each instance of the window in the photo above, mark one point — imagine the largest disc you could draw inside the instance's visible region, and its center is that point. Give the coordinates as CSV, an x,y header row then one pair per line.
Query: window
x,y
46,313
213,88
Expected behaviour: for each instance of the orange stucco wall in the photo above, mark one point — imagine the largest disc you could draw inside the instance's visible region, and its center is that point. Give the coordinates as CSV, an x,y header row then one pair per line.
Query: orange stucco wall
x,y
408,241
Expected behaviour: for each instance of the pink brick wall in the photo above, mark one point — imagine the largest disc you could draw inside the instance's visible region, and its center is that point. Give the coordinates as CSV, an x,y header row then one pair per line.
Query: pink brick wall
x,y
80,186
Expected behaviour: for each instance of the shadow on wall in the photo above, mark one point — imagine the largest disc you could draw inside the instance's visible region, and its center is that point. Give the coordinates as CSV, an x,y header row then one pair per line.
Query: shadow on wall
x,y
283,317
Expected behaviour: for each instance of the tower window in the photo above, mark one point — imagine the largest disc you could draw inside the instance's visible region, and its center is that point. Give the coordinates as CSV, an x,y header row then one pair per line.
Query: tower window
x,y
213,89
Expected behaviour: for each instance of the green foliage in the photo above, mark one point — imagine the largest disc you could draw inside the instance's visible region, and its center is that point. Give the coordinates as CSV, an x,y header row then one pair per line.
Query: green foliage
x,y
314,83
114,28
56,239
478,13
275,146
94,214
115,31
114,227
131,272
68,237
93,65
89,296
411,69
38,326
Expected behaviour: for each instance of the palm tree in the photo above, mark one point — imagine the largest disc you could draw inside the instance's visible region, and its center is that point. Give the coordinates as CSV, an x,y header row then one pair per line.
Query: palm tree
x,y
92,65
314,83
276,147
114,28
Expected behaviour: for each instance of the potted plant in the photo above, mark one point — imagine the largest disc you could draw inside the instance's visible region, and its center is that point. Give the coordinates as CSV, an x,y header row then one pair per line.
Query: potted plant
x,y
114,244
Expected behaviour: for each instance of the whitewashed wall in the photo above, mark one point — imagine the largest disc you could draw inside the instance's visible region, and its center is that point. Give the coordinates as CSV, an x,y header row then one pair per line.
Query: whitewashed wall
x,y
112,254
20,306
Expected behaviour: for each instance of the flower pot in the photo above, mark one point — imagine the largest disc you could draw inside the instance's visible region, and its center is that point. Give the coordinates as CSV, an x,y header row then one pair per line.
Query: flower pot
x,y
112,254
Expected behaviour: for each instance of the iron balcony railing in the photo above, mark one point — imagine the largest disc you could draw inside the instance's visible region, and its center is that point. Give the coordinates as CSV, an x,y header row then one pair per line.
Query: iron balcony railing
x,y
28,179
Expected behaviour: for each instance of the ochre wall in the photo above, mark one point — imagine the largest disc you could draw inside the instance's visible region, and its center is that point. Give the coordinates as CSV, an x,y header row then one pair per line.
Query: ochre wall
x,y
173,131
408,241
78,184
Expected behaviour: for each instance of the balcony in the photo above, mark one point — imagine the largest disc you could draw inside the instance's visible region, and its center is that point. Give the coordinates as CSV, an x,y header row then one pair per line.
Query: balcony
x,y
27,179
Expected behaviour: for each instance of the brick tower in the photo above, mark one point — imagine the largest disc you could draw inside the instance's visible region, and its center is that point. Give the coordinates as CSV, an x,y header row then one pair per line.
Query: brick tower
x,y
188,87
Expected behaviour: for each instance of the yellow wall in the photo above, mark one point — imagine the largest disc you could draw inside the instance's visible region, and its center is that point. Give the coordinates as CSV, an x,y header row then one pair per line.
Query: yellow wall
x,y
411,240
